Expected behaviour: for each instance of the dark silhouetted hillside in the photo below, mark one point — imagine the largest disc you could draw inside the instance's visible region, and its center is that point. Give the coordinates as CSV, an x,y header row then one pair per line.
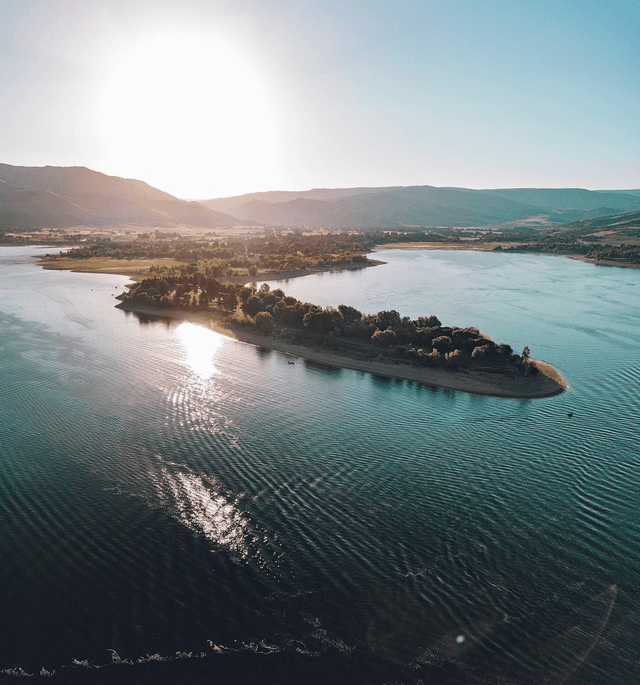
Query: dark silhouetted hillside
x,y
58,197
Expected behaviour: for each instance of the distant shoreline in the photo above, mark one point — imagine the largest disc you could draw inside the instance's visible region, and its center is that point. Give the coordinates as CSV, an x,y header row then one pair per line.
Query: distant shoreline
x,y
547,383
491,247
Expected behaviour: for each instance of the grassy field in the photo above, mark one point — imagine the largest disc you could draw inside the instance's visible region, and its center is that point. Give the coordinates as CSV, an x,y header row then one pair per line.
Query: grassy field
x,y
133,268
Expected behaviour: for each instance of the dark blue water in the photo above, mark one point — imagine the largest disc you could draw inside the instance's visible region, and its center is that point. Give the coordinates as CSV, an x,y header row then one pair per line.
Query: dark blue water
x,y
177,507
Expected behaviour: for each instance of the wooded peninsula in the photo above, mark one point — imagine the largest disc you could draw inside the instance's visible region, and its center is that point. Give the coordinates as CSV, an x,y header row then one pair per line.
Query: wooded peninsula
x,y
210,285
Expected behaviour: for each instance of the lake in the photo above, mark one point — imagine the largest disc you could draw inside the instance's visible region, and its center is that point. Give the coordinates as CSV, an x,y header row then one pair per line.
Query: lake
x,y
179,507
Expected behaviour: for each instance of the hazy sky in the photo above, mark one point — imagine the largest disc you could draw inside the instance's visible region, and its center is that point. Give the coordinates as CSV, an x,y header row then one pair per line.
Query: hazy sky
x,y
208,98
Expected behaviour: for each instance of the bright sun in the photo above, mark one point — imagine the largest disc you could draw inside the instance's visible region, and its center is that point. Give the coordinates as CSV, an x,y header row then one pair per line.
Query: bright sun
x,y
188,110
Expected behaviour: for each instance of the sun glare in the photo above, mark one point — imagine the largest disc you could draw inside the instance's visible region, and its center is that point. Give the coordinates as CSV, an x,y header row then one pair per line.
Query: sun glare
x,y
183,107
200,347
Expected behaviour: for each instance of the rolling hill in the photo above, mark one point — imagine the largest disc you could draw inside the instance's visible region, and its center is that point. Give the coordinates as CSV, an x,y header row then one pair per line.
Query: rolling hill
x,y
424,206
59,197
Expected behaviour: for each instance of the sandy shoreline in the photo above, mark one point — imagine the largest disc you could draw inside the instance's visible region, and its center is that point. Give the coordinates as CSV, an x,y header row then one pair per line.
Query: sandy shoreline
x,y
544,384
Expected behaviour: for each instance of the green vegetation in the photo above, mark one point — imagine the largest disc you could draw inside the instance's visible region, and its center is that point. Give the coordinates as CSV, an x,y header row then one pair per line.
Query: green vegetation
x,y
243,256
137,269
257,255
602,238
207,274
621,245
421,342
195,291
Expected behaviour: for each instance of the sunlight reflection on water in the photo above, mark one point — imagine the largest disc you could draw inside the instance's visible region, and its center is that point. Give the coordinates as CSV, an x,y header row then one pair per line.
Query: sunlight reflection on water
x,y
198,504
200,347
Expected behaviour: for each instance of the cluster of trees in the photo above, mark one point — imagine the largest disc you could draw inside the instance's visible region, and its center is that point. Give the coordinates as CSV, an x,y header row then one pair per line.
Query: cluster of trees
x,y
422,341
215,267
291,250
193,291
421,235
253,254
629,254
425,341
18,236
553,244
310,245
180,249
13,239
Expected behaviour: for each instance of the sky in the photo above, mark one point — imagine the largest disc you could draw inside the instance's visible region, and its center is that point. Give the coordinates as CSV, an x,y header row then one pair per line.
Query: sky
x,y
213,98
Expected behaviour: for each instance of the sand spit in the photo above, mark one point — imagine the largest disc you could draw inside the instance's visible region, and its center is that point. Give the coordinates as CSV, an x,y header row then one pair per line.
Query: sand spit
x,y
546,383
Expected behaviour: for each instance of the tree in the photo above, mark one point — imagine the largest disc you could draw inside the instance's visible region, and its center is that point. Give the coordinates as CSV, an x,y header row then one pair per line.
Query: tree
x,y
454,358
405,330
252,306
213,267
253,271
465,339
424,336
263,321
428,321
227,300
504,350
442,344
385,338
349,314
479,352
321,321
245,293
387,319
358,329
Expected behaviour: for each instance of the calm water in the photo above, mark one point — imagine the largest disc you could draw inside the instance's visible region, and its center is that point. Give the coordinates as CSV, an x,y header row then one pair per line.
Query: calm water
x,y
177,507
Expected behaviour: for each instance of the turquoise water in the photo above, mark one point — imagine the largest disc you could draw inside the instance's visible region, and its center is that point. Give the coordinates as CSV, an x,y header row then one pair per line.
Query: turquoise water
x,y
178,507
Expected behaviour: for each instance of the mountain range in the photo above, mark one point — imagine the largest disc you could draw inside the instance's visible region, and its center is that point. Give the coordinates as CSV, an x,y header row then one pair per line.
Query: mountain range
x,y
61,197
426,206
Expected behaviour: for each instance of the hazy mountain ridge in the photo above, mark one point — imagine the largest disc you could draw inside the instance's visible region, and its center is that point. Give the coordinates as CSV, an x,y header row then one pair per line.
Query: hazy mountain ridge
x,y
571,198
612,222
424,205
635,192
234,204
35,208
59,197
